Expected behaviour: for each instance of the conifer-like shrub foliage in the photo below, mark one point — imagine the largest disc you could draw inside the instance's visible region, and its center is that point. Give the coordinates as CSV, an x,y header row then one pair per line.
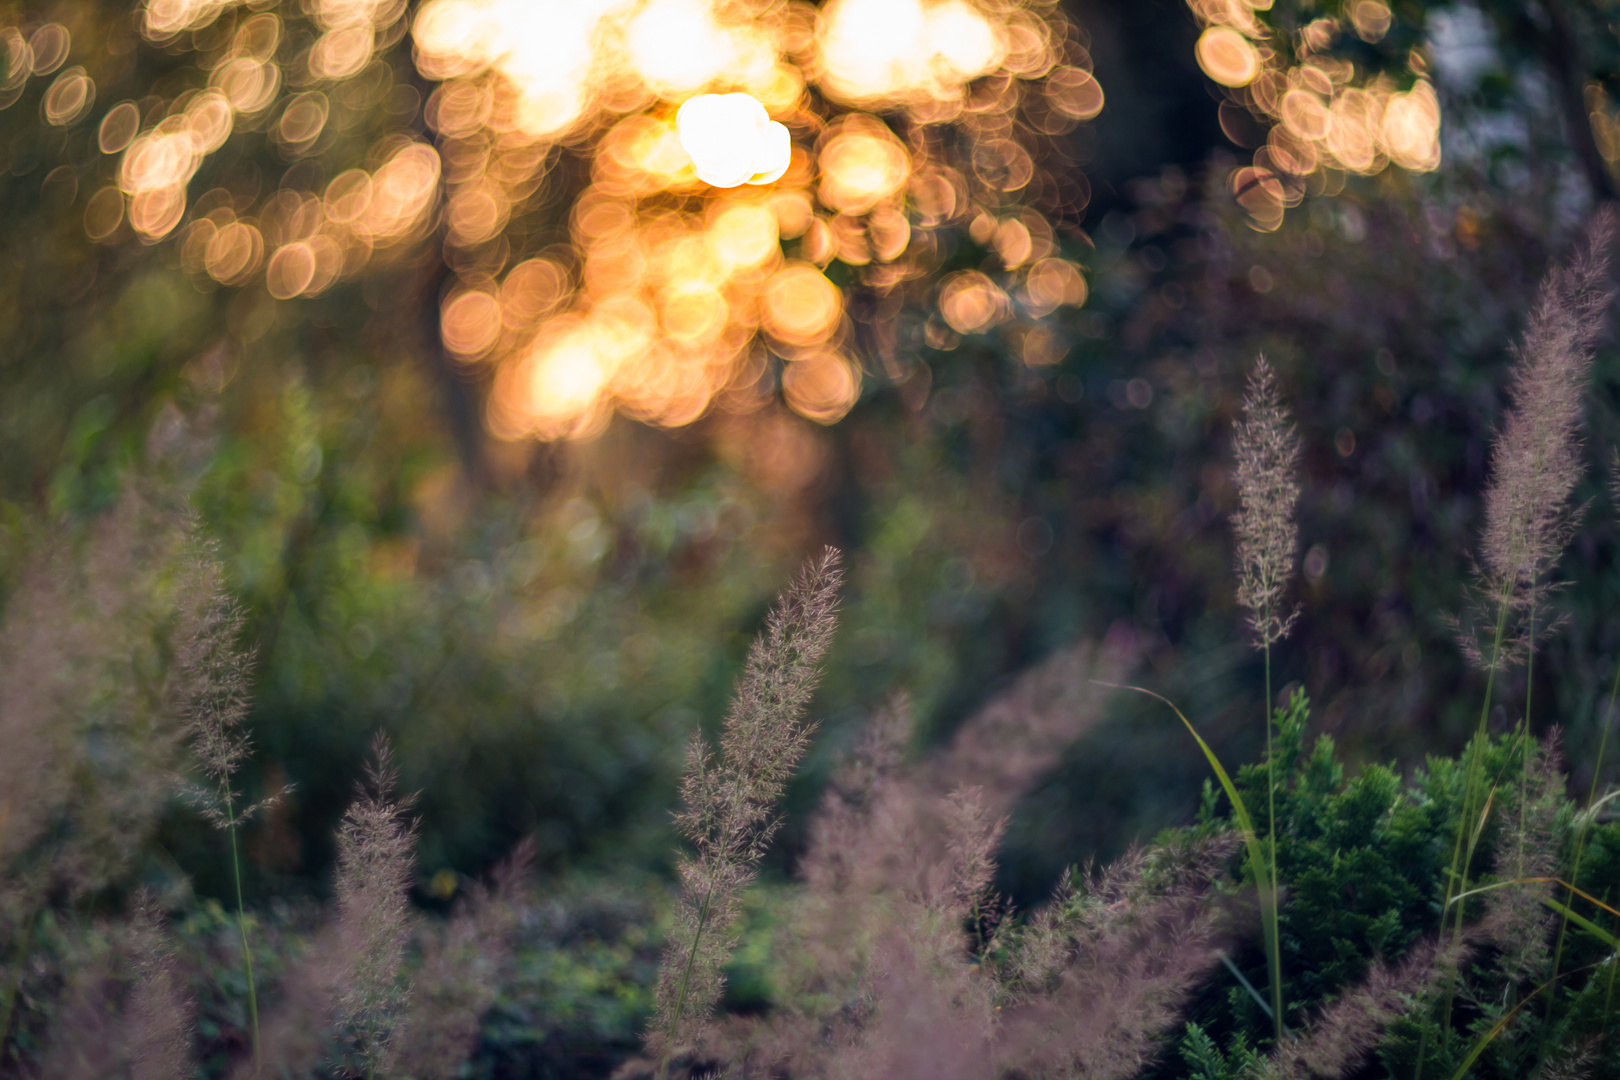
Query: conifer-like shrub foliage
x,y
1366,856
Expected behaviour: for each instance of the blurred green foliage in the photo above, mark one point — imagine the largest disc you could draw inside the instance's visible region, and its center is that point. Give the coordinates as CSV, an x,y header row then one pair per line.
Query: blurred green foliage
x,y
541,627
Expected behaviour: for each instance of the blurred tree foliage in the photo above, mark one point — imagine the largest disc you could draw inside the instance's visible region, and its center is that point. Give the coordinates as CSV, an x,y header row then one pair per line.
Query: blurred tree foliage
x,y
539,626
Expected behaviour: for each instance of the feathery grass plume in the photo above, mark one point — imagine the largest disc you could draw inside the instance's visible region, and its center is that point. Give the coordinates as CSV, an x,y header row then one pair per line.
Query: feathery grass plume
x,y
902,843
84,1040
1098,976
1089,905
934,1019
1536,456
1516,921
127,737
41,647
87,747
109,743
933,1009
841,824
1267,448
837,922
879,978
1349,1029
972,836
210,691
158,1023
298,1029
458,979
1020,734
729,802
1111,1008
376,862
1535,464
925,1009
210,685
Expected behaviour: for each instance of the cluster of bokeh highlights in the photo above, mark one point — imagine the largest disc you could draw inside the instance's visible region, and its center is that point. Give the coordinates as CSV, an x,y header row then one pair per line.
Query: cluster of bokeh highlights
x,y
670,295
1326,118
915,127
588,270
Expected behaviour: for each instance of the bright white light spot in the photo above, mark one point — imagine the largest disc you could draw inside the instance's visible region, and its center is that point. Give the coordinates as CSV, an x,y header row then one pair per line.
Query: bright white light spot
x,y
732,140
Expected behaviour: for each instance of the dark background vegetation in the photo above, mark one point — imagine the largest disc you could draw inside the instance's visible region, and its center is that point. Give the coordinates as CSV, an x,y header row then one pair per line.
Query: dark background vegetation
x,y
540,627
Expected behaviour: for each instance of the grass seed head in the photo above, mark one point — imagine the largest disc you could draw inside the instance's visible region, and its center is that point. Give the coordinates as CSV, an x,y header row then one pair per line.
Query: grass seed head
x,y
1268,451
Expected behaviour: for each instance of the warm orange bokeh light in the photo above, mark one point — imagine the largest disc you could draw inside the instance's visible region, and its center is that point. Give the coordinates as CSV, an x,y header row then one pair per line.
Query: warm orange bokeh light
x,y
1411,128
901,50
1052,283
677,98
745,234
640,202
1227,56
800,306
861,165
822,386
971,302
471,323
69,97
562,381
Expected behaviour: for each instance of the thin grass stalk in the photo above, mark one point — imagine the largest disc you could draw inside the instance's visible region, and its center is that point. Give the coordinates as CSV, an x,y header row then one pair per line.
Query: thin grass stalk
x,y
1266,445
1608,991
1273,931
1524,730
686,980
1456,890
1457,880
241,926
211,677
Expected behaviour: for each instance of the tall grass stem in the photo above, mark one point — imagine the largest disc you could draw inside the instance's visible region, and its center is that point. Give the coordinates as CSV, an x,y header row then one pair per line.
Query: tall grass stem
x,y
1273,931
241,927
686,979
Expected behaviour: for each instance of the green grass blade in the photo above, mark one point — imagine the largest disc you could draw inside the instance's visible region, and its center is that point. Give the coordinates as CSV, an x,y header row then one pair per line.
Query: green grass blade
x,y
1583,922
1257,857
1538,881
1259,998
1497,1028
